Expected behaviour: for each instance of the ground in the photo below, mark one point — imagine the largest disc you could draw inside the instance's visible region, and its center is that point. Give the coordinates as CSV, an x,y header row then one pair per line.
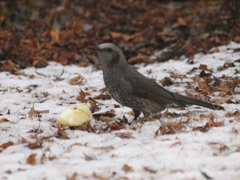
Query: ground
x,y
189,143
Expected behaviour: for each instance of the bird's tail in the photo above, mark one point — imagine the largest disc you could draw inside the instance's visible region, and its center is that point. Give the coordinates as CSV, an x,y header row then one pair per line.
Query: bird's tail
x,y
191,101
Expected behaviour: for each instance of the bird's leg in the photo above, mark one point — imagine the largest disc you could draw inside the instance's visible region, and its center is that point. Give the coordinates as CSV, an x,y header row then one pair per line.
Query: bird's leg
x,y
146,116
133,125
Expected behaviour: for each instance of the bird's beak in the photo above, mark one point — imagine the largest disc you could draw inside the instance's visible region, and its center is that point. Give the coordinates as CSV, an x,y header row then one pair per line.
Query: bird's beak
x,y
95,48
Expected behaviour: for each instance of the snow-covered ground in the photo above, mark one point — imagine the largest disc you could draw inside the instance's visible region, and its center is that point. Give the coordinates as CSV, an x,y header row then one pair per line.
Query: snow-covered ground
x,y
31,149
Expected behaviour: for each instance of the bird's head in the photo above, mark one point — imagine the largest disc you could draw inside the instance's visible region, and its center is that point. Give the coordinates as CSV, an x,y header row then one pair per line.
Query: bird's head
x,y
109,54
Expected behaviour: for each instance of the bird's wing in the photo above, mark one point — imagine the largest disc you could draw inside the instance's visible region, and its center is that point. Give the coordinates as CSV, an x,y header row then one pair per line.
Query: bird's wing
x,y
147,89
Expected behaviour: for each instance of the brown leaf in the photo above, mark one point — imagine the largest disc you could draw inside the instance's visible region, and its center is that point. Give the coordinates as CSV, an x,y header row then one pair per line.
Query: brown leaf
x,y
4,120
115,127
78,80
31,159
116,106
202,84
103,97
36,145
176,143
6,145
213,124
75,144
94,105
105,148
106,118
175,75
10,67
61,133
127,168
55,34
83,64
96,176
149,170
82,96
203,67
214,50
184,21
126,37
127,135
42,111
32,112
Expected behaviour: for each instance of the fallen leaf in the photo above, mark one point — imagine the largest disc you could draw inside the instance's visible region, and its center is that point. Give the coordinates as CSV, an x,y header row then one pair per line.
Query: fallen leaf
x,y
127,135
203,67
103,97
127,168
202,84
149,170
94,105
78,80
35,145
31,159
175,75
61,133
42,111
32,112
105,148
6,145
106,118
55,34
4,120
81,97
75,144
174,144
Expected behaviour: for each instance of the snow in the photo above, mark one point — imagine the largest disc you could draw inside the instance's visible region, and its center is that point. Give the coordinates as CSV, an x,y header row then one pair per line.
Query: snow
x,y
86,155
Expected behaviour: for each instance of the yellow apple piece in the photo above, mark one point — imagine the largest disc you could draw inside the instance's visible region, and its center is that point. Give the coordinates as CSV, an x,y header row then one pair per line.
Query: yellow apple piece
x,y
75,116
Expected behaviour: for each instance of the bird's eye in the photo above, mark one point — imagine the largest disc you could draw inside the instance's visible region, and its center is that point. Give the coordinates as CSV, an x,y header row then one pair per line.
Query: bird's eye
x,y
109,50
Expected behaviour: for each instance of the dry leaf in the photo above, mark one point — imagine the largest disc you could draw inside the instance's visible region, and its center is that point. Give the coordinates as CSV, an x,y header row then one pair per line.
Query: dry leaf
x,y
42,111
202,84
103,97
176,143
216,49
175,75
149,170
105,148
32,112
106,118
31,159
81,97
35,145
127,168
4,120
75,144
115,127
55,34
203,67
127,135
61,133
94,105
6,145
98,177
78,80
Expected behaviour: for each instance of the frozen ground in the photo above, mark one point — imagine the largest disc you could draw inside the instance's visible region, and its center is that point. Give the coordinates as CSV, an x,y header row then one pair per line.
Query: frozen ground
x,y
31,149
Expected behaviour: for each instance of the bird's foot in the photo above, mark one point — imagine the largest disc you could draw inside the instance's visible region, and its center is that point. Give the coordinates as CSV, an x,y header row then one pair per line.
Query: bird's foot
x,y
134,125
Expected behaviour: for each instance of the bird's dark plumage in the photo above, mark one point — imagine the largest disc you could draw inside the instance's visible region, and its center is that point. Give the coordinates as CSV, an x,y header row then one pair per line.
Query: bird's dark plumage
x,y
130,88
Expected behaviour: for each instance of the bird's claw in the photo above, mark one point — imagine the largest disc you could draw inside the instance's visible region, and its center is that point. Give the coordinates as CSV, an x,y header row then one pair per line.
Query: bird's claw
x,y
134,125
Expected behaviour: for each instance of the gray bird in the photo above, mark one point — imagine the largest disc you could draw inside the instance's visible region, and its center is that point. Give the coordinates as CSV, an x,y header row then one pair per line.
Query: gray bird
x,y
130,88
